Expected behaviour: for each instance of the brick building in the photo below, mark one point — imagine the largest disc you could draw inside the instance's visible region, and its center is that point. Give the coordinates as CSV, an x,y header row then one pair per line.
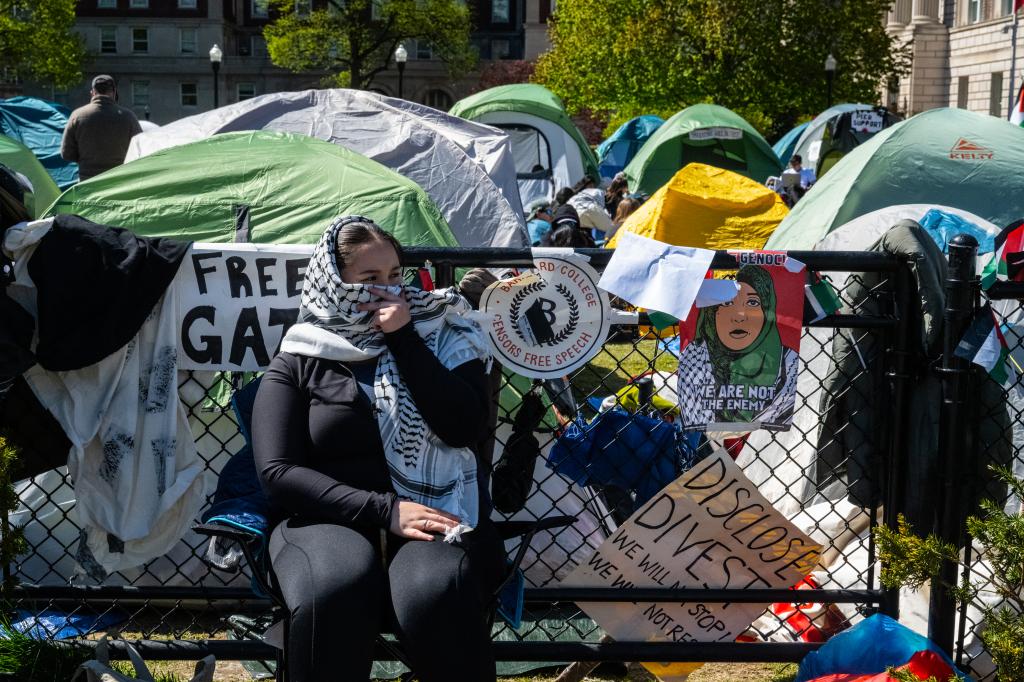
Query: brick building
x,y
158,51
961,55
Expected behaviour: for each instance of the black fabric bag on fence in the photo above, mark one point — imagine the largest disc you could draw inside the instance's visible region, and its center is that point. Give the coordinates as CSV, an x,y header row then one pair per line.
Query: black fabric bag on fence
x,y
512,479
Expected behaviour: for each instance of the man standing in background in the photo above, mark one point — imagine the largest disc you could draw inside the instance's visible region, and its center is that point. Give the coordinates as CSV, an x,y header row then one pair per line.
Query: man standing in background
x,y
97,134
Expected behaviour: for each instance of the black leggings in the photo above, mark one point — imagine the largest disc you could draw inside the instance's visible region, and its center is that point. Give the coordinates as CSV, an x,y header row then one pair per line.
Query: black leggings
x,y
433,594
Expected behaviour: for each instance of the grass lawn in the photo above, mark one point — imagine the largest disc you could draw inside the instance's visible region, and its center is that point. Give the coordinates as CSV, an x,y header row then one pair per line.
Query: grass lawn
x,y
617,363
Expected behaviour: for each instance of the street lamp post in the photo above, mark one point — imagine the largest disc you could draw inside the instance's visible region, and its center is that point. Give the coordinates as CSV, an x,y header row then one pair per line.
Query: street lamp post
x,y
830,72
401,56
216,54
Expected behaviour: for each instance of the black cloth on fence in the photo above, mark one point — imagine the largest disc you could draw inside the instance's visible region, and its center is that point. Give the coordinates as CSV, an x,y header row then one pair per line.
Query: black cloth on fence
x,y
95,286
854,436
512,480
316,441
31,428
16,327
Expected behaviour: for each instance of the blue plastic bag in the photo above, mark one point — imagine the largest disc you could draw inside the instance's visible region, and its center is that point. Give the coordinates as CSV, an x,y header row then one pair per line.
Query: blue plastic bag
x,y
869,647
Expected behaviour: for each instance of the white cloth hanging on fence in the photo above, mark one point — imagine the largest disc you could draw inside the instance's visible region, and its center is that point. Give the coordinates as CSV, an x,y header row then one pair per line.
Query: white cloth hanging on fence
x,y
137,476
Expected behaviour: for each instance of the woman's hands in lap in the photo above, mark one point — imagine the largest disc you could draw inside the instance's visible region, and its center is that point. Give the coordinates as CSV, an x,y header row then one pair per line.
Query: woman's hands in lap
x,y
391,313
416,521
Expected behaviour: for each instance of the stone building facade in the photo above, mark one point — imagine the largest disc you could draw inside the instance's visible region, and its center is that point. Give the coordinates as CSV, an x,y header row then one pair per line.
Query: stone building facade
x,y
158,51
961,55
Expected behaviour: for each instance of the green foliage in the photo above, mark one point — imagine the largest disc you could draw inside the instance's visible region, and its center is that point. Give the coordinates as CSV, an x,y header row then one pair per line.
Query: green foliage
x,y
909,560
354,40
12,540
37,41
907,676
33,659
762,58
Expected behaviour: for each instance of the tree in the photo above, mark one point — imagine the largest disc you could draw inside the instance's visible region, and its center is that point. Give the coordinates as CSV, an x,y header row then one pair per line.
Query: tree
x,y
38,42
762,58
354,40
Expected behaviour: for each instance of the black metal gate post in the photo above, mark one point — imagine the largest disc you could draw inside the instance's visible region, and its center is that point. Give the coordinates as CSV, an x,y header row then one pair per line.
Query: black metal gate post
x,y
955,378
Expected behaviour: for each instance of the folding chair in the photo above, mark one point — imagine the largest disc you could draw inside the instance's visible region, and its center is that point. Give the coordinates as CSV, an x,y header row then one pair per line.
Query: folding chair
x,y
265,581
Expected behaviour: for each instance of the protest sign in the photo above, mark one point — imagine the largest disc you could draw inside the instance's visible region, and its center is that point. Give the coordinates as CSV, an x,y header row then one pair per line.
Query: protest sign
x,y
545,324
710,528
235,303
738,361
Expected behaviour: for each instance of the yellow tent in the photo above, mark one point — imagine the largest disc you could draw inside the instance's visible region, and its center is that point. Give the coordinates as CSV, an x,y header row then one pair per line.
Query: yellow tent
x,y
708,207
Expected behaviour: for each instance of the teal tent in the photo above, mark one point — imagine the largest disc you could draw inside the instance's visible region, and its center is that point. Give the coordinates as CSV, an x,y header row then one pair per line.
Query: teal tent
x,y
703,133
262,186
786,145
39,125
958,161
615,153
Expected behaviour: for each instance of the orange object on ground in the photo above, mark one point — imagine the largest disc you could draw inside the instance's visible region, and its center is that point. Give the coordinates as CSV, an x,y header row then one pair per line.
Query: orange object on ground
x,y
922,665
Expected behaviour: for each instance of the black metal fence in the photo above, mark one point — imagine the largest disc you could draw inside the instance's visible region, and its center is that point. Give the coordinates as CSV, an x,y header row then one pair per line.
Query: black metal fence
x,y
835,483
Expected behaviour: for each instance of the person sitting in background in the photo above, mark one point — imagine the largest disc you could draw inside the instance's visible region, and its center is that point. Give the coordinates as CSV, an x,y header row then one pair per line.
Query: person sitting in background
x,y
615,193
97,134
568,236
807,175
566,218
538,220
627,207
563,196
589,204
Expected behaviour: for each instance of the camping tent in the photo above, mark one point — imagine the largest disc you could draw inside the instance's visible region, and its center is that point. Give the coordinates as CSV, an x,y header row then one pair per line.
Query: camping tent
x,y
949,158
837,131
615,153
708,207
20,158
465,168
703,133
39,125
258,186
550,152
786,145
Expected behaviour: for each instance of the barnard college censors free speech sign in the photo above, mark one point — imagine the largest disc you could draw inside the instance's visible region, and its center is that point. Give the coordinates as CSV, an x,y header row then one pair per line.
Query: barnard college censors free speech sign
x,y
235,303
710,529
545,324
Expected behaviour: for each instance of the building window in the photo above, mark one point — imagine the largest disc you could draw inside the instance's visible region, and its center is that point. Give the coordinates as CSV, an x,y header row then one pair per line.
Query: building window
x,y
189,94
501,49
499,12
438,99
140,40
106,4
139,4
1005,7
187,39
375,9
995,94
303,8
423,50
108,40
973,11
246,91
140,93
259,46
186,4
260,9
962,84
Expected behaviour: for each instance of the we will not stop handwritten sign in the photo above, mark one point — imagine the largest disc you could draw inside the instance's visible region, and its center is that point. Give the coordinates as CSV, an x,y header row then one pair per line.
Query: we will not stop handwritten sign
x,y
710,528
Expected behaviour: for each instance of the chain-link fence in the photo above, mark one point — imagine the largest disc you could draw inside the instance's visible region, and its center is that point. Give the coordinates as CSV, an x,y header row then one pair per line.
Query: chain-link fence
x,y
833,474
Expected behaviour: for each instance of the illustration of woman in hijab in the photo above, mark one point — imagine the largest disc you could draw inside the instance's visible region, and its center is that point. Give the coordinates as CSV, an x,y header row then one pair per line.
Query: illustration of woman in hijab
x,y
735,374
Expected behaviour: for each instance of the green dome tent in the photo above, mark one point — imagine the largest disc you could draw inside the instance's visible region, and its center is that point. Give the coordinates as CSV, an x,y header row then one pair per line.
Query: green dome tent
x,y
278,187
549,150
942,158
703,133
20,158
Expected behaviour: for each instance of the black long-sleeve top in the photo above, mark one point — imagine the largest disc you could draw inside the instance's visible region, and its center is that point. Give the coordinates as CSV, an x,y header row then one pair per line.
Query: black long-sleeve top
x,y
316,442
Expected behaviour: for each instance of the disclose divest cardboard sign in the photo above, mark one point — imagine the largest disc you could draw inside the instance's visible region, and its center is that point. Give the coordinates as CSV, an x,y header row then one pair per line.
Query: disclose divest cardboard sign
x,y
545,324
710,529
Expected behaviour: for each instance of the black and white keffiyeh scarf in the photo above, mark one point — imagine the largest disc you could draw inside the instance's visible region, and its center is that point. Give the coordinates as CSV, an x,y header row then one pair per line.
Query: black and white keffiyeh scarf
x,y
423,468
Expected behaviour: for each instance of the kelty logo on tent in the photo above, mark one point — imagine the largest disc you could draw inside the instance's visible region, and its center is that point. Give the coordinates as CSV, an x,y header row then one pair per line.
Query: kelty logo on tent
x,y
547,324
969,151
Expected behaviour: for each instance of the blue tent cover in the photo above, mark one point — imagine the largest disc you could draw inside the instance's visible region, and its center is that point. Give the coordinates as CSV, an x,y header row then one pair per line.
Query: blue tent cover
x,y
615,153
39,125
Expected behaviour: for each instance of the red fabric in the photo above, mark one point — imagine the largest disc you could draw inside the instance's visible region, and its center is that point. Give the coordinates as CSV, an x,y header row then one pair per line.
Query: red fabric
x,y
810,621
426,283
923,664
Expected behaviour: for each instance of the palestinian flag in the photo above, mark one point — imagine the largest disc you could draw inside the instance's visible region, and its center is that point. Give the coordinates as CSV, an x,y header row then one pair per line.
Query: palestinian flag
x,y
1006,263
661,321
821,297
984,345
1017,115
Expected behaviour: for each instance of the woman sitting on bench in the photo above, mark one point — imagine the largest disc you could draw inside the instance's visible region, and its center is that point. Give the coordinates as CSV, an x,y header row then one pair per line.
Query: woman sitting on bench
x,y
365,429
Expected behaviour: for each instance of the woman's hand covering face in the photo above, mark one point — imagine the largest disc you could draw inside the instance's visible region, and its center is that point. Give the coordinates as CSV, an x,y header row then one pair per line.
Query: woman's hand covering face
x,y
390,313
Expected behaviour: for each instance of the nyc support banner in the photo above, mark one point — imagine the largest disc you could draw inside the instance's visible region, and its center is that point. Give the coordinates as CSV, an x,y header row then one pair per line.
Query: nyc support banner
x,y
738,360
235,303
